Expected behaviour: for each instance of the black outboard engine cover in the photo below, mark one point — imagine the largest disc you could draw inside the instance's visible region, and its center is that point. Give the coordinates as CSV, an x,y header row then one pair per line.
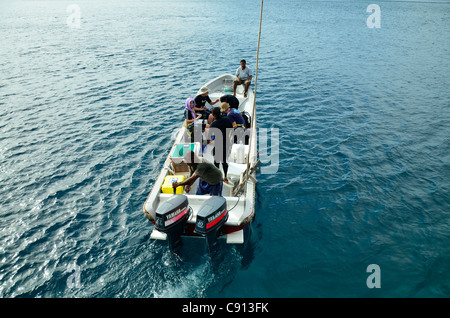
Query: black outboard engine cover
x,y
211,216
171,218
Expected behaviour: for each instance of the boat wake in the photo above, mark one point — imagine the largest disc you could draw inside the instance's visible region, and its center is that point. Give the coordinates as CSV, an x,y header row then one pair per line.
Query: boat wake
x,y
194,276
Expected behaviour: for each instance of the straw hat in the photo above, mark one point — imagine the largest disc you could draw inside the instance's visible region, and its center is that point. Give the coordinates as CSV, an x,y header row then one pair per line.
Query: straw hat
x,y
224,107
204,90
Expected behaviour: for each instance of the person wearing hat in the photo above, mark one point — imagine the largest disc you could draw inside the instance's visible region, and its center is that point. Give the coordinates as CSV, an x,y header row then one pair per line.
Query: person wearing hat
x,y
200,102
233,115
238,122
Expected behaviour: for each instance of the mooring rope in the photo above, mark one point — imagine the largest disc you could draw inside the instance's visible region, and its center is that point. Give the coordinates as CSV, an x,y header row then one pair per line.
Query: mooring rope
x,y
256,84
257,58
247,172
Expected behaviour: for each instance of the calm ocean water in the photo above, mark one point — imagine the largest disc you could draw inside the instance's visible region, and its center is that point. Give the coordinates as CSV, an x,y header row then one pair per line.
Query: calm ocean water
x,y
87,114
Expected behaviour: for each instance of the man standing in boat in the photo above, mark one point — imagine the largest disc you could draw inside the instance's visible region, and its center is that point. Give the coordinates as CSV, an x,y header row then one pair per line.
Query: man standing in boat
x,y
243,77
210,176
200,102
221,131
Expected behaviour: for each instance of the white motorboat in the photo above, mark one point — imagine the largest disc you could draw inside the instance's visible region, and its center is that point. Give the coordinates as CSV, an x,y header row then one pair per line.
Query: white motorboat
x,y
175,215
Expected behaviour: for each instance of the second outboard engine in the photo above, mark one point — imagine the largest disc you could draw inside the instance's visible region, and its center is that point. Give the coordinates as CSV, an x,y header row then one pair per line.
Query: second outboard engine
x,y
211,216
171,218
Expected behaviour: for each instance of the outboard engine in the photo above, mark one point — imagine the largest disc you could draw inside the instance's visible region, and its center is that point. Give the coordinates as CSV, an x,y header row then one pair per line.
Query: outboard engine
x,y
211,216
171,218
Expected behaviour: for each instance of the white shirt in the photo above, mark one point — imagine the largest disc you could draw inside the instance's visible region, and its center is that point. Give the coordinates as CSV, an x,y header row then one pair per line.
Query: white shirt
x,y
244,74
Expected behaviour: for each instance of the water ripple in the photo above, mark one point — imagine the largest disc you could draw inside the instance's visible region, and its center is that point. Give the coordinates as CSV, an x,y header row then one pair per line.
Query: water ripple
x,y
87,117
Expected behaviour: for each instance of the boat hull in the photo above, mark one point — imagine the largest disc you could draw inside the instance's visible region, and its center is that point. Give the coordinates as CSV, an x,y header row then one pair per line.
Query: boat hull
x,y
241,205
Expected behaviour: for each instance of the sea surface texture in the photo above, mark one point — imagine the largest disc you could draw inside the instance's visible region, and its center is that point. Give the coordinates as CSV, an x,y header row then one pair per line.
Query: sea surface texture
x,y
91,93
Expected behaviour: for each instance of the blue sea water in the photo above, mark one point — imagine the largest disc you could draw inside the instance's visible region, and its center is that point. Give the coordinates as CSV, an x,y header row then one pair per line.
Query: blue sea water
x,y
87,116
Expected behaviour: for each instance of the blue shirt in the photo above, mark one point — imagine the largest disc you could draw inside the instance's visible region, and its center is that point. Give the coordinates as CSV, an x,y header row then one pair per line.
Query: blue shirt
x,y
235,116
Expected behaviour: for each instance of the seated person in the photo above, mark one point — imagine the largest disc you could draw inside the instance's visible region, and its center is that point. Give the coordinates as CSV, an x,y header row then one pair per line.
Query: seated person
x,y
243,77
190,116
231,100
237,120
233,115
200,102
210,176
